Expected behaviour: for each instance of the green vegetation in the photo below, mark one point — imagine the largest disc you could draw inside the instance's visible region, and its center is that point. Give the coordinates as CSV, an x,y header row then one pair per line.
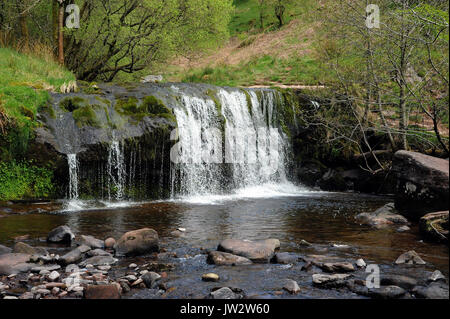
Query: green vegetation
x,y
24,180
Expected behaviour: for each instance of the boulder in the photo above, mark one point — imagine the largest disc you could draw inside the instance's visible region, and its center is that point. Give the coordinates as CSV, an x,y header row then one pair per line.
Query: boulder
x,y
433,291
387,292
98,252
222,258
434,226
404,282
14,263
410,258
383,216
5,250
337,267
109,243
61,235
330,281
99,261
223,293
92,242
72,257
150,279
256,251
437,276
137,242
102,292
422,184
291,286
285,258
23,248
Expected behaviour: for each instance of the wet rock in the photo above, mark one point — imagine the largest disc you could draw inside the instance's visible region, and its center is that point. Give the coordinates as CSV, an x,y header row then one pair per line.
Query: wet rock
x,y
285,258
53,276
210,277
437,276
433,291
84,248
23,248
10,297
72,257
304,243
102,292
132,266
434,226
5,250
98,252
222,258
27,296
330,281
387,292
360,263
137,242
150,279
291,286
98,261
404,282
104,268
422,184
223,293
72,268
410,258
61,235
176,233
109,243
382,217
403,229
38,269
337,267
92,242
256,251
13,263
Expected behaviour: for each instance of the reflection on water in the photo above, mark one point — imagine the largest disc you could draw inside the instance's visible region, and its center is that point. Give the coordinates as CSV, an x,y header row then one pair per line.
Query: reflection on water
x,y
320,218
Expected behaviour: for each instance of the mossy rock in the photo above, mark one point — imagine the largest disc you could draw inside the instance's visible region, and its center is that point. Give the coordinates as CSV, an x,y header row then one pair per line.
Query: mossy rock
x,y
128,106
86,116
70,104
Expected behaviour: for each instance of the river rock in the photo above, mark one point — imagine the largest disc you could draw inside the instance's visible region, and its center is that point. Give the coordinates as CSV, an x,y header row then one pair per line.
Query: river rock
x,y
13,263
437,276
256,251
422,184
210,277
23,248
72,257
5,250
285,258
404,282
387,292
360,263
223,293
92,242
61,235
403,229
150,279
382,217
337,267
291,286
53,276
433,291
435,226
222,258
102,292
99,261
98,252
137,242
109,243
38,269
329,281
410,258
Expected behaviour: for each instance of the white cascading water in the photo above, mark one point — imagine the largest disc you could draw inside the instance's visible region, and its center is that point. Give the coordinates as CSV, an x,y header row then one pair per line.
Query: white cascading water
x,y
116,171
73,176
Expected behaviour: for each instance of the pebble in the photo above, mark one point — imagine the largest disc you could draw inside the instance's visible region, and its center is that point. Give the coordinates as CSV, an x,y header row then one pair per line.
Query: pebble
x,y
104,267
132,266
44,272
53,276
360,263
291,286
130,278
210,277
435,276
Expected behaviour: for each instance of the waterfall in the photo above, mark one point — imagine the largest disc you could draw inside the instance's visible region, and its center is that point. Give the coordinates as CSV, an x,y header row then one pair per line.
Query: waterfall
x,y
116,171
73,176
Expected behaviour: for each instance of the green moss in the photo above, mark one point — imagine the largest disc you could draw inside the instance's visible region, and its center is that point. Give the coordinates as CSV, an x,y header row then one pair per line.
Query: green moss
x,y
249,102
156,107
71,104
86,116
128,106
213,96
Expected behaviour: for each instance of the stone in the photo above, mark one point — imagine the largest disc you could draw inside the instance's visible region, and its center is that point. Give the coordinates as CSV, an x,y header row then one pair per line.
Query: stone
x,y
5,250
223,293
44,272
291,286
221,258
433,291
98,252
150,279
37,269
72,257
61,235
410,258
102,292
437,276
386,292
92,242
422,184
13,263
104,268
382,217
360,263
434,226
98,261
304,243
84,248
404,282
337,267
132,266
10,297
27,296
23,248
130,278
53,276
137,242
257,251
403,229
109,243
210,277
285,258
72,268
330,281
152,79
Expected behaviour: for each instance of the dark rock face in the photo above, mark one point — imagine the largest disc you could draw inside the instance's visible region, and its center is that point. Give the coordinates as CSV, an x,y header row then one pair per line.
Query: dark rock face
x,y
137,242
435,226
422,183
